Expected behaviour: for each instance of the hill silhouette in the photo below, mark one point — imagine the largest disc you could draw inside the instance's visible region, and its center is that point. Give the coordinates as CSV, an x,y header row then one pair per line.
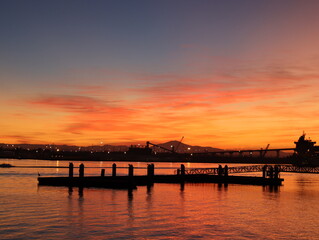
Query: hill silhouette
x,y
184,148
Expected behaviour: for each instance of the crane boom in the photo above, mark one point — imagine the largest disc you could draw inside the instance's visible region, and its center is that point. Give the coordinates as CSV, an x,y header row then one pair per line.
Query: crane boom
x,y
179,144
155,145
265,151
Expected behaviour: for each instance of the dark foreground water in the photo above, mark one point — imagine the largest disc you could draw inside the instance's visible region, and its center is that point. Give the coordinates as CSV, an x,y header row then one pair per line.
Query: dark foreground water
x,y
165,211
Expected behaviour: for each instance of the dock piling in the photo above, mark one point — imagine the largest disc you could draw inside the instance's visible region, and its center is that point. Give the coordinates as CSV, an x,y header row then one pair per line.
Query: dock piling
x,y
276,172
220,170
81,170
226,171
71,170
264,171
114,170
153,169
182,169
271,172
130,170
102,172
150,170
150,174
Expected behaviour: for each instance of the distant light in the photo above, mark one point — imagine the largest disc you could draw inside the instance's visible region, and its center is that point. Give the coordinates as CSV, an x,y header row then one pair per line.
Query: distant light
x,y
189,148
124,152
58,150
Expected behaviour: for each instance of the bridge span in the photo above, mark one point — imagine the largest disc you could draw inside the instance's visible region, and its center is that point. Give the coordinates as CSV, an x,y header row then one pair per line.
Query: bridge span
x,y
253,168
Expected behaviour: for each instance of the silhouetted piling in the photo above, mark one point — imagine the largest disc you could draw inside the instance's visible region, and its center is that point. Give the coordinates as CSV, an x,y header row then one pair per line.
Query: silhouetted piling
x,y
71,170
114,170
220,170
153,169
102,172
182,170
150,170
81,170
226,171
150,174
271,172
276,172
130,170
264,171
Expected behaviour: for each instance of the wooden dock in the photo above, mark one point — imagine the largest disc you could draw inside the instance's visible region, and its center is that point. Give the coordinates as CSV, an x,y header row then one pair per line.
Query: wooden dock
x,y
131,181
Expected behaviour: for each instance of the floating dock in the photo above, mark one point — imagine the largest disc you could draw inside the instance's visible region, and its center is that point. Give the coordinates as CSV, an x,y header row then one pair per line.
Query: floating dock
x,y
270,177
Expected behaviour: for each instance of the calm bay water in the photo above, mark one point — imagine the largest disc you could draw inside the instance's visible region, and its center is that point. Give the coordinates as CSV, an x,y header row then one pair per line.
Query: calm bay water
x,y
165,211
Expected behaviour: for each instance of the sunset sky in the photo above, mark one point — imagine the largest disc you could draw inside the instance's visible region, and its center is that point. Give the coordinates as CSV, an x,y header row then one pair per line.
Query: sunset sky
x,y
226,74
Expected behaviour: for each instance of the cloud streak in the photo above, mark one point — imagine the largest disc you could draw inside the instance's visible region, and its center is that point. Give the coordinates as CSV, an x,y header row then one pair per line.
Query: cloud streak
x,y
162,106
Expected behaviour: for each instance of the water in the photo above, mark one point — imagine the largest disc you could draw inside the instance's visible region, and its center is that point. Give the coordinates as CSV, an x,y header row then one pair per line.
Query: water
x,y
166,211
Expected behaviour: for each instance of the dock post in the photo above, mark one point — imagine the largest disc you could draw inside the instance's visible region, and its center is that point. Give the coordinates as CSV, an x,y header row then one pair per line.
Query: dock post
x,y
226,171
182,169
264,171
271,172
81,170
220,170
153,169
178,172
130,170
150,173
276,172
102,172
71,170
114,170
148,170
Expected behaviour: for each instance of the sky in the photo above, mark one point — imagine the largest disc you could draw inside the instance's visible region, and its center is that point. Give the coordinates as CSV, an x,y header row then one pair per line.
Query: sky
x,y
231,74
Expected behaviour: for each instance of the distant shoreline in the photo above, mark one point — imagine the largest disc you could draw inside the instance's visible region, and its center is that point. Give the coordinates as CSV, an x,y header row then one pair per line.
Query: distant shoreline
x,y
287,160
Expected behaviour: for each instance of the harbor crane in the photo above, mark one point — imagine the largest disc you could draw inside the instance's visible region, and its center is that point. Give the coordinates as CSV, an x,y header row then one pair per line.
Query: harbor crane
x,y
263,152
179,144
155,145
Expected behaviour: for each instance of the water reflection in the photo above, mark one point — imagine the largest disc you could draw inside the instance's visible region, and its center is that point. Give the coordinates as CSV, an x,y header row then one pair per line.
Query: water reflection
x,y
130,207
70,192
149,190
222,187
182,187
80,193
271,189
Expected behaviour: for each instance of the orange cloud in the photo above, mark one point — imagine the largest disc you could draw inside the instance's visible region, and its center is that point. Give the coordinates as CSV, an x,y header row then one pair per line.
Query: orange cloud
x,y
223,109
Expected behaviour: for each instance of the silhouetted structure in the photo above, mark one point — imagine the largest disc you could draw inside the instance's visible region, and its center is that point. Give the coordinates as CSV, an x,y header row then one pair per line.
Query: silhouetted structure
x,y
307,153
183,175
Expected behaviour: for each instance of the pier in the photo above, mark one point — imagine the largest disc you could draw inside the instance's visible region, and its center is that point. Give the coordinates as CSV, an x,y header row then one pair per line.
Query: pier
x,y
270,176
